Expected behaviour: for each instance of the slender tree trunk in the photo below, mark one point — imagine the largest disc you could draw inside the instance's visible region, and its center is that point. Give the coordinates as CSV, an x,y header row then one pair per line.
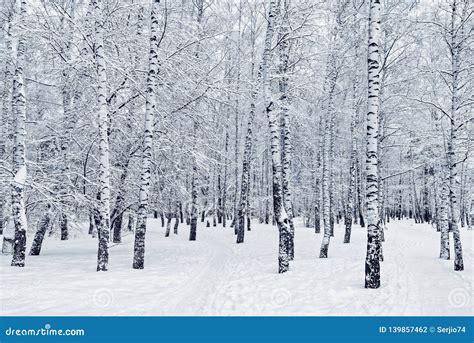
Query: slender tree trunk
x,y
244,185
224,187
360,205
194,188
325,190
240,203
19,151
443,222
427,217
104,163
244,202
352,178
331,158
372,262
279,211
67,97
176,216
43,226
131,222
317,179
194,209
168,224
6,130
118,211
471,212
285,127
91,223
328,154
452,140
140,231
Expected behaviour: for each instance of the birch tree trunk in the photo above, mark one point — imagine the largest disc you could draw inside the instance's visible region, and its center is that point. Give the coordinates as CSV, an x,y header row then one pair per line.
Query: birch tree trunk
x,y
6,131
471,213
150,102
443,221
372,263
327,155
452,140
244,201
279,211
194,192
317,179
352,179
328,188
118,210
350,208
331,159
19,150
325,191
176,218
236,220
359,211
224,186
67,97
317,198
285,126
43,226
244,185
427,217
104,163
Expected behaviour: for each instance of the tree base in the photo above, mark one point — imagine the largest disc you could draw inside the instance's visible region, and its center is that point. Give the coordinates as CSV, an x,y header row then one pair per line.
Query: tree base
x,y
372,274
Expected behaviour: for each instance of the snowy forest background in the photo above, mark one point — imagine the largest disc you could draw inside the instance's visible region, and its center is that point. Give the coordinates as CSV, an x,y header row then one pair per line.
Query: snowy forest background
x,y
315,134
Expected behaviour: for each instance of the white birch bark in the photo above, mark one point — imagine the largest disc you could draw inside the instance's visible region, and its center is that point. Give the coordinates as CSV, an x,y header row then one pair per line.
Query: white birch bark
x,y
194,176
248,141
194,190
139,247
452,139
104,163
19,150
284,50
349,210
318,177
243,207
372,262
6,131
279,211
68,97
328,154
443,221
325,186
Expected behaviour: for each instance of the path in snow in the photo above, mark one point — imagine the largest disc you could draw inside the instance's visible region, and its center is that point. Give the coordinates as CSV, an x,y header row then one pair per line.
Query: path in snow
x,y
215,276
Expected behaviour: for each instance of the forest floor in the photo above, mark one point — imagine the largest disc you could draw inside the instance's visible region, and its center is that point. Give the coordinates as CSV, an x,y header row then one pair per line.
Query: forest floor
x,y
215,276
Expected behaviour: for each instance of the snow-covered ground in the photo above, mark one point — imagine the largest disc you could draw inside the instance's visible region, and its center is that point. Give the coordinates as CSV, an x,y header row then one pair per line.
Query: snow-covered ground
x,y
215,276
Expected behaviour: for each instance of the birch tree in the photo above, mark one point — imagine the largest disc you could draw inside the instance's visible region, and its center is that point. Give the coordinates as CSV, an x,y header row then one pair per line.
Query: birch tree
x,y
279,211
455,48
19,149
104,163
443,222
284,51
153,69
372,263
328,154
6,133
243,207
